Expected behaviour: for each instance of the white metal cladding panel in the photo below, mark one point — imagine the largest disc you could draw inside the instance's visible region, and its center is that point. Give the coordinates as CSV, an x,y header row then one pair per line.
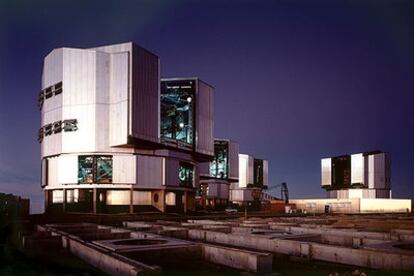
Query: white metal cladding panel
x,y
68,169
243,170
233,160
326,172
205,119
118,130
204,168
124,169
355,193
115,48
51,144
102,127
83,139
250,170
172,167
149,171
53,166
379,171
102,102
265,172
241,195
142,198
213,190
145,95
52,68
79,77
357,168
224,191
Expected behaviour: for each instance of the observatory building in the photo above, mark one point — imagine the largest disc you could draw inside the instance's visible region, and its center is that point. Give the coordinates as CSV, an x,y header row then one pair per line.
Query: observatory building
x,y
218,175
356,183
116,138
253,178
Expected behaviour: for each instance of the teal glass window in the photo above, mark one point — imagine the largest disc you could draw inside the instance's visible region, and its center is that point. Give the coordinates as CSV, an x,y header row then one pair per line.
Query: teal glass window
x,y
219,167
177,110
186,175
85,169
104,169
95,169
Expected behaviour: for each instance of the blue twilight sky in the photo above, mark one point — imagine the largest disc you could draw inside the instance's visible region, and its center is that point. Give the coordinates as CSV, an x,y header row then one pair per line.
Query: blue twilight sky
x,y
295,80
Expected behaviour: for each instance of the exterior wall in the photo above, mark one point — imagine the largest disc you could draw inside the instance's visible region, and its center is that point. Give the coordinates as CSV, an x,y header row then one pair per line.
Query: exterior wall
x,y
242,195
246,163
204,136
353,205
378,174
357,169
385,205
335,205
326,165
217,189
233,160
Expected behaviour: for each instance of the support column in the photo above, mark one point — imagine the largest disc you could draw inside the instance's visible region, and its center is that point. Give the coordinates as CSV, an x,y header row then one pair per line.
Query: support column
x,y
64,201
185,201
46,200
94,196
131,202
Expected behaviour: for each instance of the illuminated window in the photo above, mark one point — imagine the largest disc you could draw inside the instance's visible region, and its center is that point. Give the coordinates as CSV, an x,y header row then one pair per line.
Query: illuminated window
x,y
57,196
95,169
219,165
85,172
177,110
104,169
186,175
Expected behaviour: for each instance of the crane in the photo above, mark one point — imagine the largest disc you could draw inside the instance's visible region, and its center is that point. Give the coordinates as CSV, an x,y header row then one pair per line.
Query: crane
x,y
284,192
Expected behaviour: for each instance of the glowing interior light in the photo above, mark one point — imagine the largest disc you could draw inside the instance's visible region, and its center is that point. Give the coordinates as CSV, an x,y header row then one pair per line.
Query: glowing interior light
x,y
189,99
181,125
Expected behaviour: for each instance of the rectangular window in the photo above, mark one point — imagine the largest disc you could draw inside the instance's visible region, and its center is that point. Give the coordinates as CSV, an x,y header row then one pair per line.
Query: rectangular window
x,y
219,165
40,135
57,196
48,92
177,110
104,169
85,169
95,169
41,98
58,88
57,127
48,129
186,175
70,125
258,172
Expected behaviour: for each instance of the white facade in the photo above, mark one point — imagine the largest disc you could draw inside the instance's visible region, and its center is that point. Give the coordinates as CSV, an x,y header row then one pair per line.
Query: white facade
x,y
100,131
370,176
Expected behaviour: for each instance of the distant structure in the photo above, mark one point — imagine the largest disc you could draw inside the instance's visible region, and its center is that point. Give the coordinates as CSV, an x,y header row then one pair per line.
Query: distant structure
x,y
13,207
115,138
253,178
217,176
363,175
356,183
